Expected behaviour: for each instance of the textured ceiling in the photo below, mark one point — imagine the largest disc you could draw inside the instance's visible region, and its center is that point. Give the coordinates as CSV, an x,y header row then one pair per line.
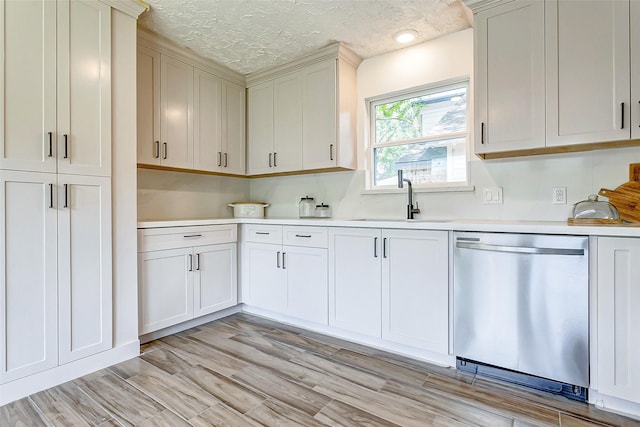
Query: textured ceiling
x,y
253,35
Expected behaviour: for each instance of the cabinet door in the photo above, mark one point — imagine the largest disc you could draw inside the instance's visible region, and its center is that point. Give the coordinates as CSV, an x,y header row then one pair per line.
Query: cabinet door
x,y
618,343
355,280
215,283
207,122
266,279
287,115
415,289
28,283
307,287
260,128
84,272
588,82
148,104
510,77
176,98
319,107
84,88
635,69
165,280
233,128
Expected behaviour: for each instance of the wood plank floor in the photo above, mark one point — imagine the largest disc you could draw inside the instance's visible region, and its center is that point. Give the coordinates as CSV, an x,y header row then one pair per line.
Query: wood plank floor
x,y
248,371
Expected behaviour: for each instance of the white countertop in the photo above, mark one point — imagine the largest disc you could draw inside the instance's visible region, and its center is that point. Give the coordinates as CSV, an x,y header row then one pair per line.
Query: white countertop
x,y
542,227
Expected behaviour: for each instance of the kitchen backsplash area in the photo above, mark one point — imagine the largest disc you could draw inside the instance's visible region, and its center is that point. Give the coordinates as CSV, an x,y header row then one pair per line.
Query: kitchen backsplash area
x,y
527,184
164,195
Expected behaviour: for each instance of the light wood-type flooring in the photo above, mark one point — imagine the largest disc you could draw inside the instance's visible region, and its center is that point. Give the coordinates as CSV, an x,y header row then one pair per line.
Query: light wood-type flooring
x,y
247,371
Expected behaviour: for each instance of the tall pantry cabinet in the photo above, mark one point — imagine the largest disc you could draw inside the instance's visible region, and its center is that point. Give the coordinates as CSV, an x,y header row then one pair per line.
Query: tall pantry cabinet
x,y
55,174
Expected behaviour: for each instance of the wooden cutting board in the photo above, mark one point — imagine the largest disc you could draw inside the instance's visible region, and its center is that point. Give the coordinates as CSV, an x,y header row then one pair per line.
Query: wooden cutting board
x,y
626,198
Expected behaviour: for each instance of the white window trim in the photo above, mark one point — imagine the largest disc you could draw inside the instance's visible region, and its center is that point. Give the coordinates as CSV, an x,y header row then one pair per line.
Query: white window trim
x,y
370,135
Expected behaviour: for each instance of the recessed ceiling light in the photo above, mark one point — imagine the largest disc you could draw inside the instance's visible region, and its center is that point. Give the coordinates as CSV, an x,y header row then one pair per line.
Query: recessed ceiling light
x,y
405,36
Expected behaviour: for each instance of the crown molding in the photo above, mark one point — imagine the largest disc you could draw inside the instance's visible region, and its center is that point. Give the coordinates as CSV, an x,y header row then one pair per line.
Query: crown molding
x,y
480,5
133,8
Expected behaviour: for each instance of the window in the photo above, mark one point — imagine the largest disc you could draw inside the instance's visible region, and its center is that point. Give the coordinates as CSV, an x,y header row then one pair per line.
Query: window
x,y
423,133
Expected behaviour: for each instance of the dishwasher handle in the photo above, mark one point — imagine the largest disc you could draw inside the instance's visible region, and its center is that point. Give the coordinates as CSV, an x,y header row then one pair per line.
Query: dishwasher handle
x,y
518,249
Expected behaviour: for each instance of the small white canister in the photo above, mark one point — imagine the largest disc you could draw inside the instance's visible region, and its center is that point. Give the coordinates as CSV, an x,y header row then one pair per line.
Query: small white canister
x,y
248,209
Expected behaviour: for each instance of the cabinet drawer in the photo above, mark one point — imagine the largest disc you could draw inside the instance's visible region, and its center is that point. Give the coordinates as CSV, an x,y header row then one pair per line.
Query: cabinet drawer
x,y
312,237
155,239
259,233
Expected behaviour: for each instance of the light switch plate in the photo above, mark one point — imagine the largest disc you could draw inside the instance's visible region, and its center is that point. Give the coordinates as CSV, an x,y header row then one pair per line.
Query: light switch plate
x,y
492,195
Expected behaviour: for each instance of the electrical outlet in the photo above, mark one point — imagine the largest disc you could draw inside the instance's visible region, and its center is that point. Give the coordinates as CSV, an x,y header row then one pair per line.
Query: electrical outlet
x,y
559,196
493,196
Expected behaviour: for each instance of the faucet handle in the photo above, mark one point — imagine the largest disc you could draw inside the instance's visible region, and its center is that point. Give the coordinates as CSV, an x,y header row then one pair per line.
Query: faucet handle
x,y
417,209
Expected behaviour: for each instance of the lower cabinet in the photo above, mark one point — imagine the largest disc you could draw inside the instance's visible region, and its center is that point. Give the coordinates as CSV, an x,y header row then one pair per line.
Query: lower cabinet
x,y
185,272
391,284
56,300
618,317
289,279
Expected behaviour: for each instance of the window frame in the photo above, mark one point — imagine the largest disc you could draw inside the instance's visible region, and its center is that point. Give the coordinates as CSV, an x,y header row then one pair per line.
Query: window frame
x,y
416,91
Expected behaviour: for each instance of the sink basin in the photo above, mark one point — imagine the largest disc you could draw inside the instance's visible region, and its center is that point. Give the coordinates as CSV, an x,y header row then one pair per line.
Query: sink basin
x,y
400,220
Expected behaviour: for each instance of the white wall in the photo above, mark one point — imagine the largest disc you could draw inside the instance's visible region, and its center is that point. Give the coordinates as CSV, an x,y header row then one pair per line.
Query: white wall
x,y
164,195
526,181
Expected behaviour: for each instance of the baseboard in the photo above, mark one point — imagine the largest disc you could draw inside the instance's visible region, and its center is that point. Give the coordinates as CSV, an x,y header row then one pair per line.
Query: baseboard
x,y
23,387
614,404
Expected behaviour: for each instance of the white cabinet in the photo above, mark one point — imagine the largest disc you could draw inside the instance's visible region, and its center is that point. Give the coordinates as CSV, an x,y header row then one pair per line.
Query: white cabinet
x,y
190,115
56,113
355,280
55,172
415,289
303,116
84,266
176,113
275,126
510,77
185,272
588,81
618,317
28,293
218,124
289,278
555,76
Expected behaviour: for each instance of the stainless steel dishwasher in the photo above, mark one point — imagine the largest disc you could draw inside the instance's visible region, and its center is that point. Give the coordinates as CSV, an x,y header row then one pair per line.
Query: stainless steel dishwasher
x,y
521,302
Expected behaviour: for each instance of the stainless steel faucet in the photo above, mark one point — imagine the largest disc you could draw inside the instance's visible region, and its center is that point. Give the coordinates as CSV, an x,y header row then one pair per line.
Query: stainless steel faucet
x,y
410,209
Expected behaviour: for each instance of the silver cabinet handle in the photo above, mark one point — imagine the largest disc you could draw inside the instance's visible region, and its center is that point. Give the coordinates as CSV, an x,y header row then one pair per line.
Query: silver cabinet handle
x,y
482,133
66,195
284,258
225,159
275,159
50,144
622,115
189,236
190,262
518,249
384,247
164,146
303,235
331,152
375,247
278,259
157,155
66,146
219,158
197,262
51,196
265,233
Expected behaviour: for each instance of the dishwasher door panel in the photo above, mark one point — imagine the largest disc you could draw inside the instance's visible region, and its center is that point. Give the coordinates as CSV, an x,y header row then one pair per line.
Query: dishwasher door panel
x,y
526,312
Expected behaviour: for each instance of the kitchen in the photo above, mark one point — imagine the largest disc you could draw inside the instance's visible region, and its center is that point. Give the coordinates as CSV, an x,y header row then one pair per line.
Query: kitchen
x,y
166,195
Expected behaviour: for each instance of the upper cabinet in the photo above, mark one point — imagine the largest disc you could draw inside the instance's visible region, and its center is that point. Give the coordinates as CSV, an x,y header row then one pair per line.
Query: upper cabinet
x,y
555,76
191,114
509,63
56,83
302,116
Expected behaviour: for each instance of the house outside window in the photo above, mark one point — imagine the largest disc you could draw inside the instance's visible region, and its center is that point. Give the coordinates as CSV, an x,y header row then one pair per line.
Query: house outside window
x,y
422,132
